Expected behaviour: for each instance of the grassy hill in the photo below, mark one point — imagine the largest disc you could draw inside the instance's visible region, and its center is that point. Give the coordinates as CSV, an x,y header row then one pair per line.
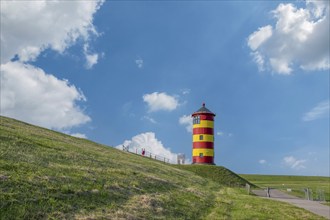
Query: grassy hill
x,y
217,174
46,174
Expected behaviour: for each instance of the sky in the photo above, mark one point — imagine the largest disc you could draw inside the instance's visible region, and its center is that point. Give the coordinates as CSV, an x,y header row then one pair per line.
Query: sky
x,y
132,73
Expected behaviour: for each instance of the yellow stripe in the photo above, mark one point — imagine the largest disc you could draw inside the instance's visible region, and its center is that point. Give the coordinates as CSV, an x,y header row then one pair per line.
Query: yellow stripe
x,y
204,137
205,152
204,124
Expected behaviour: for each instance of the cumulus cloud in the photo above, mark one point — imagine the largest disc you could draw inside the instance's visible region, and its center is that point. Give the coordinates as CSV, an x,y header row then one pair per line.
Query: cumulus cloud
x,y
300,37
150,143
30,27
31,95
259,37
294,163
262,161
160,101
321,110
186,120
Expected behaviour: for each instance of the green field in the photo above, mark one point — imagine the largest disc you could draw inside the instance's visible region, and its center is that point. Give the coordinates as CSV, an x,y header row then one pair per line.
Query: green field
x,y
50,175
295,184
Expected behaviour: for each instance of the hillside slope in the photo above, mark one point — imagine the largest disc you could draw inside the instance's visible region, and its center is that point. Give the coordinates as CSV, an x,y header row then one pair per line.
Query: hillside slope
x,y
217,174
46,174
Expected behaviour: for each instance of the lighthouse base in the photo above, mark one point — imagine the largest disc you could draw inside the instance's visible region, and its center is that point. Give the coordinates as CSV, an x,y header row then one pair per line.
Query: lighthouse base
x,y
203,160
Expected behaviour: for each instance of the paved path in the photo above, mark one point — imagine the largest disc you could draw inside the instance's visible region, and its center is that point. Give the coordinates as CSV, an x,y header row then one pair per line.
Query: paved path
x,y
311,206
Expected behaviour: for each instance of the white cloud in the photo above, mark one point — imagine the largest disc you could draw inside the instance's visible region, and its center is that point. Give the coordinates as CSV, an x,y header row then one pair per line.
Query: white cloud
x,y
31,95
317,8
300,37
186,120
262,161
294,163
259,37
149,119
139,63
79,135
160,101
321,110
280,65
185,91
30,27
91,58
259,60
149,142
27,29
224,134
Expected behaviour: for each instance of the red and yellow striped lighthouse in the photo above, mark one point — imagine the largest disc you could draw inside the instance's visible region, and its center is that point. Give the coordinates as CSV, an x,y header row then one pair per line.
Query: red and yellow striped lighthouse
x,y
203,136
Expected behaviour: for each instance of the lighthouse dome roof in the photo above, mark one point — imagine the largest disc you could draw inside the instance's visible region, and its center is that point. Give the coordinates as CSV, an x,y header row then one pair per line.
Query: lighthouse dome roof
x,y
203,110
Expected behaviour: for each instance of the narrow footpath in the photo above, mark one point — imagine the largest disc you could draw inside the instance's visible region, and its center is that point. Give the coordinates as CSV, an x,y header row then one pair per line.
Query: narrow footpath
x,y
312,206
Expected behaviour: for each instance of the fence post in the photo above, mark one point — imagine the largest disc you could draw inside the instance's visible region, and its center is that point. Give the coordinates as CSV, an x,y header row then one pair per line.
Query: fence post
x,y
307,192
321,196
247,188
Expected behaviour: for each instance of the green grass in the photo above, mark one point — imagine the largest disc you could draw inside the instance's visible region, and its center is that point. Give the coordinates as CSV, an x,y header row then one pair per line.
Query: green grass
x,y
50,175
233,203
217,174
297,184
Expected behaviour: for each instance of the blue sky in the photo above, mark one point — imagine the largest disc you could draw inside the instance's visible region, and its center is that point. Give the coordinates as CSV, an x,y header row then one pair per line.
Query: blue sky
x,y
132,72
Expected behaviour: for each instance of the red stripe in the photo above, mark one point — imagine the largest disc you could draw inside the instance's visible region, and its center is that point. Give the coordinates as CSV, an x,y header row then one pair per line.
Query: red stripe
x,y
209,145
204,160
203,131
207,117
203,113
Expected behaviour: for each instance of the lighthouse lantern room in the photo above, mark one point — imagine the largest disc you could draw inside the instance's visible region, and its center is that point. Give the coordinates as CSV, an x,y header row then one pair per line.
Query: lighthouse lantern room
x,y
203,136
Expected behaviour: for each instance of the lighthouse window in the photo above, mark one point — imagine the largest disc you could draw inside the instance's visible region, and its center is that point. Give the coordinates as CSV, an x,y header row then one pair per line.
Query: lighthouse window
x,y
196,120
200,154
201,137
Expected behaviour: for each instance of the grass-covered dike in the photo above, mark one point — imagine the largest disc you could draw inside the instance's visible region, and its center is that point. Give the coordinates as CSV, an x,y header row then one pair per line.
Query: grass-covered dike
x,y
50,175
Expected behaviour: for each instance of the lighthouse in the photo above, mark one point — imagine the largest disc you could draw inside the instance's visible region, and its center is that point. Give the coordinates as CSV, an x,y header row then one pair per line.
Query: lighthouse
x,y
203,136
